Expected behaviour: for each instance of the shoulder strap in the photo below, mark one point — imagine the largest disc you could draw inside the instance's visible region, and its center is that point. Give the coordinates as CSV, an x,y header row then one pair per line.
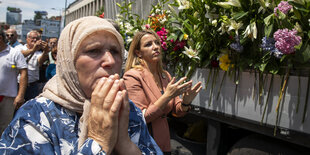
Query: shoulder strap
x,y
29,57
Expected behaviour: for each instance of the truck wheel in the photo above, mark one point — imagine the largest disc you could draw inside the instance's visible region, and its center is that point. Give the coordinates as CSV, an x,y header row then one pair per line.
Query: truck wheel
x,y
262,145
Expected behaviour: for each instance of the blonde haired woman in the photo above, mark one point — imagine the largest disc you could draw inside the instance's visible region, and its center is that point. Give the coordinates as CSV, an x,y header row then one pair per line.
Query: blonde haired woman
x,y
152,89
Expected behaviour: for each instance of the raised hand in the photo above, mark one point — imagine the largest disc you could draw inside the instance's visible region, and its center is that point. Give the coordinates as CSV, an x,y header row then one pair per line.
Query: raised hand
x,y
177,88
44,46
37,46
124,145
191,93
103,122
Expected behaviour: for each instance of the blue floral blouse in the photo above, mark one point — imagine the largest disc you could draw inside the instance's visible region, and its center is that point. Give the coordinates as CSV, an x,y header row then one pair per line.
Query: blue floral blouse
x,y
42,127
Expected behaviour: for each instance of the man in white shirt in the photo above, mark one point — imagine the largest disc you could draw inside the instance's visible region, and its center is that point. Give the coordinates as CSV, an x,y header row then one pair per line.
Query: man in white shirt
x,y
35,59
12,63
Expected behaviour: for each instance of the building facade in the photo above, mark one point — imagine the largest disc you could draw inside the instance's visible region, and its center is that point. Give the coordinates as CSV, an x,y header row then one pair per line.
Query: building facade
x,y
82,8
13,16
49,28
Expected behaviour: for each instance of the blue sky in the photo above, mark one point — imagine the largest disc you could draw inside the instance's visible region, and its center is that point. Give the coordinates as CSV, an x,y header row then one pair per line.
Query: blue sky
x,y
29,6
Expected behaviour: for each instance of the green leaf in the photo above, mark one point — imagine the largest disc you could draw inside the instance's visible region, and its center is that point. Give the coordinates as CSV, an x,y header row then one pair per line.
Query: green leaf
x,y
298,46
283,58
193,19
172,36
188,26
268,30
240,15
306,53
297,14
281,15
303,9
268,19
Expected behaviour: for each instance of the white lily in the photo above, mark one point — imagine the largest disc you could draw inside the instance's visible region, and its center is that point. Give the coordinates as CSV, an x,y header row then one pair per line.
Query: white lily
x,y
251,31
157,11
230,3
128,27
211,15
191,53
235,26
254,30
162,21
183,4
223,28
214,23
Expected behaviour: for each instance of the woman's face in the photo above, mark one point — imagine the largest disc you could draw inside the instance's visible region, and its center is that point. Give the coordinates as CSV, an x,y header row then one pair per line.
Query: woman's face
x,y
99,56
149,49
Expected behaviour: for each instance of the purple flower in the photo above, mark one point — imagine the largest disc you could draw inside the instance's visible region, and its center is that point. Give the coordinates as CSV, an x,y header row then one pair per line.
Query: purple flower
x,y
236,45
268,44
276,53
283,6
286,40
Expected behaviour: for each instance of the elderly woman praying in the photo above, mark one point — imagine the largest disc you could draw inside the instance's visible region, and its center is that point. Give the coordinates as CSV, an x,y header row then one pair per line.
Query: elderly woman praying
x,y
84,108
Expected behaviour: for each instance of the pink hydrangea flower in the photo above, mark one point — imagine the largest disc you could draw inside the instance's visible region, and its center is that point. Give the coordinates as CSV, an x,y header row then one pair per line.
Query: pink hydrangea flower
x,y
283,6
286,40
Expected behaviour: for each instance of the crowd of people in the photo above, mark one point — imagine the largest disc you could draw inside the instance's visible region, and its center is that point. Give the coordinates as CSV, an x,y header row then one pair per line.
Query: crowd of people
x,y
86,106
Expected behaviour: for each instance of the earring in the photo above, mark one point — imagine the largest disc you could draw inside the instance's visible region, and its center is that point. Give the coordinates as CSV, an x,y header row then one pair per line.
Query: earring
x,y
140,60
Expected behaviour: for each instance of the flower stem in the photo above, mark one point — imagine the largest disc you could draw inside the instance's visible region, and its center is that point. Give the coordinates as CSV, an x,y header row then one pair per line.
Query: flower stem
x,y
260,87
236,82
207,82
283,88
298,94
267,100
306,103
253,94
223,78
216,71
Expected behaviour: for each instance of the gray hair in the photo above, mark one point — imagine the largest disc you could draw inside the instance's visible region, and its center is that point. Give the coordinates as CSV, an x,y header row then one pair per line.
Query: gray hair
x,y
33,31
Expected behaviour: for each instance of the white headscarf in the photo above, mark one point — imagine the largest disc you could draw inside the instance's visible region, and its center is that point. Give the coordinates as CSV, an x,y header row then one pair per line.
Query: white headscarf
x,y
64,88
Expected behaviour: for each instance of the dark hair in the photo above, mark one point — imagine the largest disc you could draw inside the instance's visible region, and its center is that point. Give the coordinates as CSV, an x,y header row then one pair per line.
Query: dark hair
x,y
116,26
2,34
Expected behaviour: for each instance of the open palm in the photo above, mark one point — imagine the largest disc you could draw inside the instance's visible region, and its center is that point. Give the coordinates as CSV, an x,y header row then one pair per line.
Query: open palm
x,y
190,94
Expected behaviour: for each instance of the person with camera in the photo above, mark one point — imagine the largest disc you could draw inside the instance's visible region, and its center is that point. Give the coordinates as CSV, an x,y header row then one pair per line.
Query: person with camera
x,y
34,58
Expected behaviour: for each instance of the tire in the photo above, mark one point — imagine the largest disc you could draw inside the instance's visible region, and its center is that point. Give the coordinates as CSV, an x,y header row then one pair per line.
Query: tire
x,y
262,145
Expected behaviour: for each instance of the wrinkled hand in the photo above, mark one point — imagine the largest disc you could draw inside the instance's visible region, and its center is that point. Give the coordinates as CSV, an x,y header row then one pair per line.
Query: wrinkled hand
x,y
177,88
37,46
103,122
18,101
124,142
190,94
44,46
